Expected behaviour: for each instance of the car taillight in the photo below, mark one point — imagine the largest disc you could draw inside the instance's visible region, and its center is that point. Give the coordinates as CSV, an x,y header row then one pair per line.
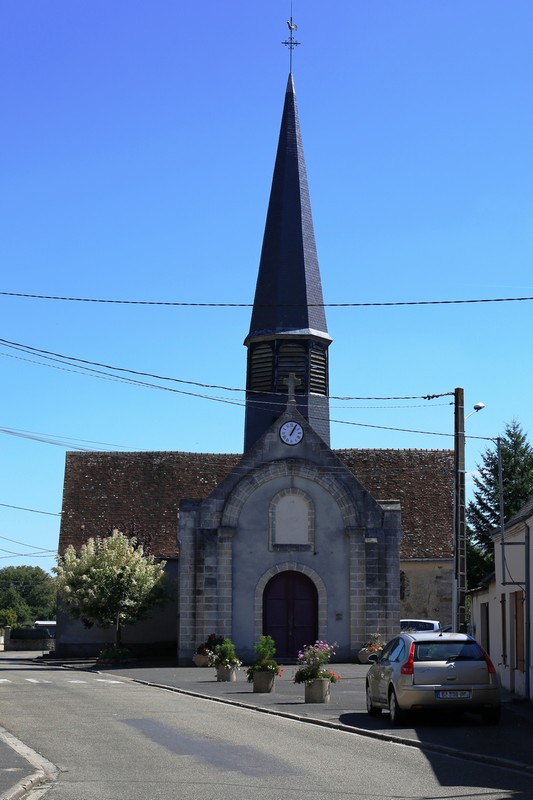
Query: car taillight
x,y
490,665
409,667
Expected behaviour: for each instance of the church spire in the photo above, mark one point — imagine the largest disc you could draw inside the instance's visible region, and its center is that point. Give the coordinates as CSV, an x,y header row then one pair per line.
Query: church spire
x,y
288,331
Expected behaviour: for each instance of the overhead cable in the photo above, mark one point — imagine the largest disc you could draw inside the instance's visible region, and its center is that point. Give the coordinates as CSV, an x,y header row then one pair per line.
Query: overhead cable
x,y
183,304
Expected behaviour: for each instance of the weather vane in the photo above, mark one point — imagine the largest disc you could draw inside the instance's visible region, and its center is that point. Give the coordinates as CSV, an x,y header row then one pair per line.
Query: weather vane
x,y
291,42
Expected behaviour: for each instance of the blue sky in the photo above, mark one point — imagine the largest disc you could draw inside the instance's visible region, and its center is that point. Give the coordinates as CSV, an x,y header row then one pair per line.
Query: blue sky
x,y
137,148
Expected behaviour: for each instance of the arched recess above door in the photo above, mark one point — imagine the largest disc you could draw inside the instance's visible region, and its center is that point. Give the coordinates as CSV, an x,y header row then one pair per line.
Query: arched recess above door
x,y
285,469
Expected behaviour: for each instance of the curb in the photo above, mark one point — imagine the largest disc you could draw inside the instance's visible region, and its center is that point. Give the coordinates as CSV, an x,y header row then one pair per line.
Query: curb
x,y
46,771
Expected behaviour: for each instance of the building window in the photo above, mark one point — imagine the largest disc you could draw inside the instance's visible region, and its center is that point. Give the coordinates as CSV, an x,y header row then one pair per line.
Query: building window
x,y
503,608
292,521
403,585
520,652
484,633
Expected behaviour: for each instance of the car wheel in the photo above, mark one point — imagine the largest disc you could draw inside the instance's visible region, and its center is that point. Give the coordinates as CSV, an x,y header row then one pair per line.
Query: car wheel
x,y
491,716
370,707
396,713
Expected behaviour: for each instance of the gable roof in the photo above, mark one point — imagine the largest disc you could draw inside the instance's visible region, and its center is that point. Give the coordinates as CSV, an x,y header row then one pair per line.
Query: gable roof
x,y
140,494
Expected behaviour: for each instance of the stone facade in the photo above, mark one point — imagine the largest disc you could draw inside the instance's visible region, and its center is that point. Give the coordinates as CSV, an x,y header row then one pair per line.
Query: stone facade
x,y
145,494
228,554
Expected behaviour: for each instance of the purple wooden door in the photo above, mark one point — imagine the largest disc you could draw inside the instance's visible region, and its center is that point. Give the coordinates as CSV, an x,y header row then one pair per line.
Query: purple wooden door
x,y
290,612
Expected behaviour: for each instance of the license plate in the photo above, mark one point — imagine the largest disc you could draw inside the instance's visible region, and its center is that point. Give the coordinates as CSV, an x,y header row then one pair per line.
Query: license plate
x,y
453,694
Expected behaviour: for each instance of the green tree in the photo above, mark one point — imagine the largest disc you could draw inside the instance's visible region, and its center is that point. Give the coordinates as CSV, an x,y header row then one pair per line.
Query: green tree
x,y
111,583
7,617
483,512
29,591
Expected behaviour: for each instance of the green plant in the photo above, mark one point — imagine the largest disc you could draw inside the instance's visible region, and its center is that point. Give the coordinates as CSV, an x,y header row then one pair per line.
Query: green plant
x,y
8,617
265,650
224,655
114,653
209,645
312,661
375,644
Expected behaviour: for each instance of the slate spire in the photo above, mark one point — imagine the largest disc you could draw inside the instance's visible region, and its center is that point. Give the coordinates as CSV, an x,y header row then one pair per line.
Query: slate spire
x,y
288,331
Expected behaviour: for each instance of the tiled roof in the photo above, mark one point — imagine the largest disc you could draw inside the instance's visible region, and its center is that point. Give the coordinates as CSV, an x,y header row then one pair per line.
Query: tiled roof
x,y
423,482
140,493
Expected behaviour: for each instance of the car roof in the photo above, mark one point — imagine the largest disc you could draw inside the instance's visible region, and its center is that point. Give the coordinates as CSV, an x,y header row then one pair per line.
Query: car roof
x,y
424,636
413,619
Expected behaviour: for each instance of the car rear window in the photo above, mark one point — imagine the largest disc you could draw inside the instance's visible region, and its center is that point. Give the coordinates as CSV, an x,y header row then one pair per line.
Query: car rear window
x,y
448,651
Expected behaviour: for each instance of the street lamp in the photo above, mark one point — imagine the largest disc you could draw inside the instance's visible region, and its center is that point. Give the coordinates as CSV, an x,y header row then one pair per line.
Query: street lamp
x,y
459,594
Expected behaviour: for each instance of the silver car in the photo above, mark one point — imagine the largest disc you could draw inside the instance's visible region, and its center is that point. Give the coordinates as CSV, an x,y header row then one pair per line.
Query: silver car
x,y
432,671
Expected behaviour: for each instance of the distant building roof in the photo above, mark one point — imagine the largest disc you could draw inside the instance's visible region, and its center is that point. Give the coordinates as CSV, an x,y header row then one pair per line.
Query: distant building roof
x,y
525,512
139,493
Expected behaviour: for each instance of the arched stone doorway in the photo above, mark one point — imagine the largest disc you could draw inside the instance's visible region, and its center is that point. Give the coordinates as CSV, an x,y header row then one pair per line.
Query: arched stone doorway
x,y
290,612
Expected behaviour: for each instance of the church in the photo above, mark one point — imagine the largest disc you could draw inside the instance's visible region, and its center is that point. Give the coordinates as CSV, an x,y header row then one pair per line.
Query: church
x,y
288,538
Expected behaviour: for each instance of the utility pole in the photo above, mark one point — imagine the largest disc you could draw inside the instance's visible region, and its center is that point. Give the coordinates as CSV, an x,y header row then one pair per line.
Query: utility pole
x,y
459,600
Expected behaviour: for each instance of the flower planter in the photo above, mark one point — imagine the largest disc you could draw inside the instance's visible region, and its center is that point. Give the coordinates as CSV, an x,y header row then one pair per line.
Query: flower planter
x,y
264,682
200,660
362,655
226,673
318,691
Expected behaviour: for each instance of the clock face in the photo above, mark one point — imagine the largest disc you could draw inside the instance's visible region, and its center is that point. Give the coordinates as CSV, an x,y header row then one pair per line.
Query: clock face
x,y
291,432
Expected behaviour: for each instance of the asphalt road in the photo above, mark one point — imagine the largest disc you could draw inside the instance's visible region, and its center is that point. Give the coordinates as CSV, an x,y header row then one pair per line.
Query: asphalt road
x,y
509,743
112,737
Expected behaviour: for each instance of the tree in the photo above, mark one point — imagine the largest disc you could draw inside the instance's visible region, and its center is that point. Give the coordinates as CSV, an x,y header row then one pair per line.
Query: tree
x,y
7,617
29,591
111,583
483,513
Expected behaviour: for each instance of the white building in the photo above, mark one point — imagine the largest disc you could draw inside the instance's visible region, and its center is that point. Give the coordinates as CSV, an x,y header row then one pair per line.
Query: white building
x,y
502,607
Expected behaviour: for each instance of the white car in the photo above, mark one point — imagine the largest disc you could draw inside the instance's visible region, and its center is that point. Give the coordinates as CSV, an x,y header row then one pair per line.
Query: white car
x,y
420,625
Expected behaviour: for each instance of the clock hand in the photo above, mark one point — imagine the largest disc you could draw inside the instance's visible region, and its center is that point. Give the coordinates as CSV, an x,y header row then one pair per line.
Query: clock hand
x,y
294,428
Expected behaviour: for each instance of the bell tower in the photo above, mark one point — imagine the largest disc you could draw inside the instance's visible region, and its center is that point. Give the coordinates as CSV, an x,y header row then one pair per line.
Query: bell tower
x,y
288,331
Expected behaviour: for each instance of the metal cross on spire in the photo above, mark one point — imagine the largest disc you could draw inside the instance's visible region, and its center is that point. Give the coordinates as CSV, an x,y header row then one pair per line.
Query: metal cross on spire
x,y
291,42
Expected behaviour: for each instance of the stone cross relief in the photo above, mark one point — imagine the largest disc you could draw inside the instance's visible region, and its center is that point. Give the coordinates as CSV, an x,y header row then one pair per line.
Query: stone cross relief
x,y
291,382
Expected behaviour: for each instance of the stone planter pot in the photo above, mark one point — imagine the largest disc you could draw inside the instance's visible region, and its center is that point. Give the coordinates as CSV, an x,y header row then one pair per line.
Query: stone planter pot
x,y
263,682
318,691
362,655
226,673
200,660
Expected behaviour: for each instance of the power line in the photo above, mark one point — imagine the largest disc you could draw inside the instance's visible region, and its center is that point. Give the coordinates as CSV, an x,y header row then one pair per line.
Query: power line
x,y
39,551
43,554
50,354
182,304
34,511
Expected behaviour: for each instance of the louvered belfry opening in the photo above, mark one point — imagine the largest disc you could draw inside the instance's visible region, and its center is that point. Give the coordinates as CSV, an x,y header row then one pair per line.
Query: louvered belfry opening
x,y
261,368
292,357
271,363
